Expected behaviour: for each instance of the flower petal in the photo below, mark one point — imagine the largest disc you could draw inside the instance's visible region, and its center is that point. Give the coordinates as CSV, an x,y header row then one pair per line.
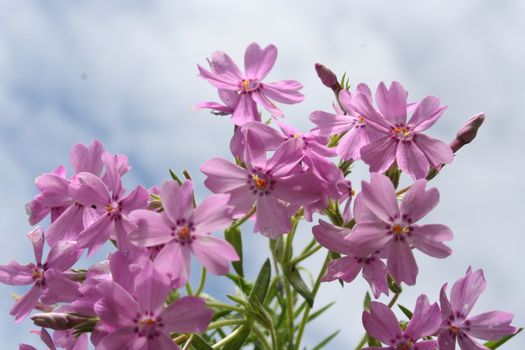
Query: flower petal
x,y
177,200
258,62
381,323
447,340
284,91
332,237
88,189
15,274
345,268
380,154
466,342
272,218
187,315
412,160
429,239
491,325
120,339
427,112
401,263
59,288
63,255
223,176
87,159
25,305
174,261
436,151
214,253
116,307
392,102
213,214
246,110
152,288
152,228
425,320
219,81
367,237
466,291
380,197
374,272
224,66
417,202
260,97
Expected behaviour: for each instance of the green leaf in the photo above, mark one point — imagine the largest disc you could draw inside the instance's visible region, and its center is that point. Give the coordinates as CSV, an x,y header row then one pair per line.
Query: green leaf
x,y
233,236
320,311
175,177
199,344
173,296
293,276
277,246
393,286
406,311
373,341
326,340
238,340
367,301
260,288
256,311
236,299
494,344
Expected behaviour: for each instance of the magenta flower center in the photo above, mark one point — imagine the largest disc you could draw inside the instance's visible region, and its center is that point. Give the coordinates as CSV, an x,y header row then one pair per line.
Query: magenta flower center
x,y
183,232
38,274
147,325
249,85
360,121
400,229
112,209
261,183
405,345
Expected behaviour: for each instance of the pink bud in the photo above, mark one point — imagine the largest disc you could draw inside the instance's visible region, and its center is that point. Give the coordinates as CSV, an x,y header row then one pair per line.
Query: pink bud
x,y
57,320
328,78
468,132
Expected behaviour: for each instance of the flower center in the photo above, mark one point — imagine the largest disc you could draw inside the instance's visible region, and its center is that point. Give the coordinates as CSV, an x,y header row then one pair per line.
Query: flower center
x,y
405,345
454,329
402,133
184,233
249,85
111,208
361,120
147,325
400,230
259,182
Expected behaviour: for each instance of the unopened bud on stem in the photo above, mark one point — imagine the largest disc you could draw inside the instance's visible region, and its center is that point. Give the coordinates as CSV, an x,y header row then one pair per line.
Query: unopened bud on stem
x,y
468,132
328,78
57,320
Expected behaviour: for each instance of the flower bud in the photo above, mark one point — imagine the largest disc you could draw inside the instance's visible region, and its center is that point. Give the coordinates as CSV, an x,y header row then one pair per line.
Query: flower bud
x,y
57,320
468,132
328,78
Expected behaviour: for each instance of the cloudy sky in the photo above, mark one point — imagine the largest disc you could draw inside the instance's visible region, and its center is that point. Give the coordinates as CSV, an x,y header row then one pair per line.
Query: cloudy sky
x,y
124,72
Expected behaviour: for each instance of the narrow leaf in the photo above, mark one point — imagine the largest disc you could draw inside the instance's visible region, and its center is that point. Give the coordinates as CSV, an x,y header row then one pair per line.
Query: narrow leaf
x,y
367,301
260,288
199,344
320,311
406,311
175,177
299,285
233,236
326,340
238,340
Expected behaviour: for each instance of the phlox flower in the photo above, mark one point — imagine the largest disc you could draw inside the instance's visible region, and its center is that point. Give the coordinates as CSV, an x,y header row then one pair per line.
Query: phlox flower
x,y
225,75
382,324
141,321
457,326
47,278
402,141
383,224
184,230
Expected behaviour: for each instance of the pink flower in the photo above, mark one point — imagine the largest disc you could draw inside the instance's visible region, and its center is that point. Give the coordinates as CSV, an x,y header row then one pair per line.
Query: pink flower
x,y
357,129
225,75
347,268
381,224
47,278
184,230
382,324
402,141
275,187
458,326
142,321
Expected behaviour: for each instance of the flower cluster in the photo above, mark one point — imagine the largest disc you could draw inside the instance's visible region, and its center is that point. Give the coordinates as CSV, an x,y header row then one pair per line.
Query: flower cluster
x,y
278,175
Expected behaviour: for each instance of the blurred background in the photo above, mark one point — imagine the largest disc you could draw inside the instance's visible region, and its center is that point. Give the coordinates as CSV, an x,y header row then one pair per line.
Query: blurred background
x,y
124,72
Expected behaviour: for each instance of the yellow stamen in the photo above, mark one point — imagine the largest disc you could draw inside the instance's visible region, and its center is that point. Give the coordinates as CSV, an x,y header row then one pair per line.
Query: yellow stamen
x,y
361,119
400,229
402,132
295,136
184,232
260,183
454,329
245,85
109,208
37,274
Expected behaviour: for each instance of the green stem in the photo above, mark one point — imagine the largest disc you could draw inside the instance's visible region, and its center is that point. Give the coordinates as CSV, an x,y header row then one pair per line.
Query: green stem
x,y
218,305
306,255
187,344
361,342
394,299
262,338
308,308
188,289
228,338
230,322
242,220
202,282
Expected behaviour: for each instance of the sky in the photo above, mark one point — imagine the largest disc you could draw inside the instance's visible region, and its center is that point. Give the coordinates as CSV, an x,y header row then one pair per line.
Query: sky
x,y
124,72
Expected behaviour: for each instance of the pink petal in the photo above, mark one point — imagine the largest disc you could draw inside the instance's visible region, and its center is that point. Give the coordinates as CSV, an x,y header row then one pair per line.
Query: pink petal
x,y
468,343
161,342
242,200
223,176
36,236
361,211
15,274
363,105
59,288
87,159
95,235
367,237
174,261
258,62
332,237
285,158
447,340
381,323
152,228
111,177
63,255
260,97
54,189
446,308
120,339
214,253
177,200
67,226
380,197
436,151
380,154
246,110
213,214
89,190
401,263
214,106
224,66
116,307
427,112
425,320
25,305
392,102
152,288
273,218
466,291
375,274
491,325
284,91
426,345
417,202
137,199
345,268
429,239
300,189
220,82
352,142
412,160
328,124
187,315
